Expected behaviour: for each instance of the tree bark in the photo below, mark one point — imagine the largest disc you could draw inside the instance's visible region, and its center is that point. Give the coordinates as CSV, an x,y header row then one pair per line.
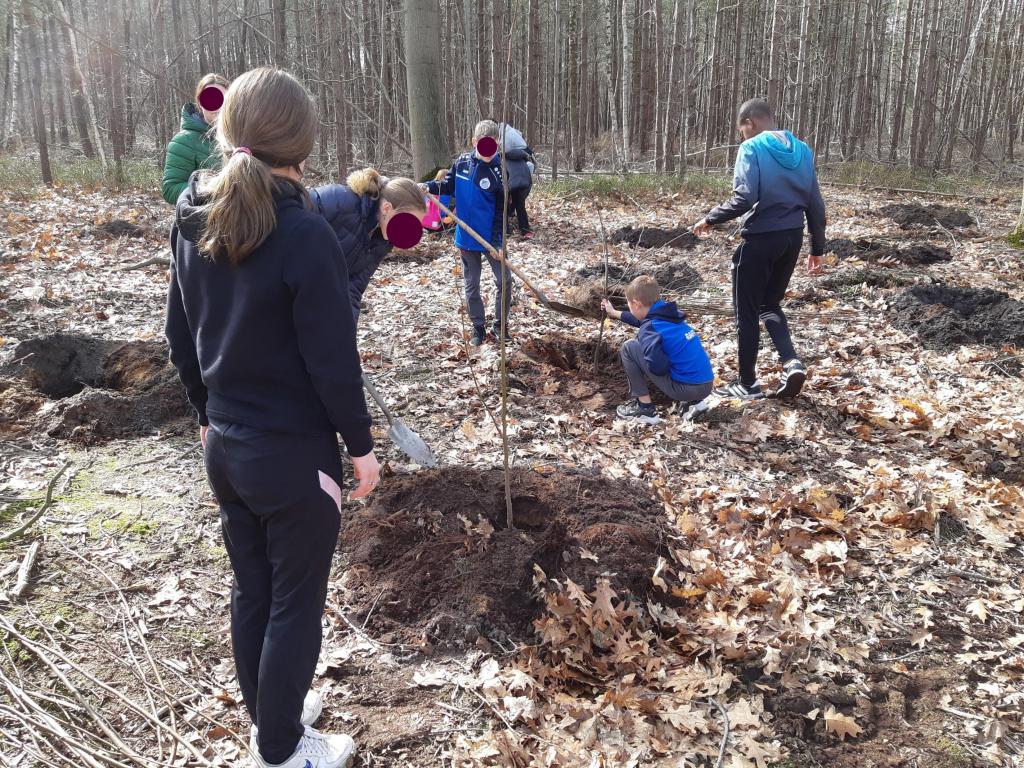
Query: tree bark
x,y
37,95
423,74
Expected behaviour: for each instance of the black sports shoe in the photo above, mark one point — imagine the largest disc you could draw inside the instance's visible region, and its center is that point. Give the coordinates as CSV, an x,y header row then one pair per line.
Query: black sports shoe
x,y
479,334
739,391
634,410
794,374
495,333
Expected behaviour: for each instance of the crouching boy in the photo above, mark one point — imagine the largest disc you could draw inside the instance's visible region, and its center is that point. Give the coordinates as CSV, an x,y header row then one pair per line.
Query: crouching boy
x,y
666,351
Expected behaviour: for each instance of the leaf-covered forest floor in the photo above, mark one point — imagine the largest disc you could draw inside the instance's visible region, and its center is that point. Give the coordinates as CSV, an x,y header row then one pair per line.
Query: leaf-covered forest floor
x,y
838,577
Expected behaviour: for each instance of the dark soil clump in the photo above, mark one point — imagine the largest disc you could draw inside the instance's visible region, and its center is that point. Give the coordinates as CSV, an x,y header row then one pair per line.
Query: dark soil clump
x,y
122,228
674,277
916,215
945,317
919,254
433,554
652,237
104,389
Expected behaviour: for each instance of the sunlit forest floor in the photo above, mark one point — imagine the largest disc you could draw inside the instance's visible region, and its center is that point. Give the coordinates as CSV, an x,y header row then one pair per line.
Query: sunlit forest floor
x,y
834,580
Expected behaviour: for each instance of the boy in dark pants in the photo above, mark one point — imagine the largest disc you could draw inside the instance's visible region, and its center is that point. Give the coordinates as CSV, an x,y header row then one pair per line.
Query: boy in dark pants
x,y
775,187
475,180
666,350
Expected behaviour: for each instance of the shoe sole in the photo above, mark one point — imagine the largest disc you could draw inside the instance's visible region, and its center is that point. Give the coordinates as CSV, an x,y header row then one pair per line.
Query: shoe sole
x,y
650,420
794,383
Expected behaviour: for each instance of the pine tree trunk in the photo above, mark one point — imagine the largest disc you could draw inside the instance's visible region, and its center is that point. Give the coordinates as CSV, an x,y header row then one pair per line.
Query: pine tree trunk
x,y
37,95
280,34
533,76
85,117
7,132
606,65
423,74
627,15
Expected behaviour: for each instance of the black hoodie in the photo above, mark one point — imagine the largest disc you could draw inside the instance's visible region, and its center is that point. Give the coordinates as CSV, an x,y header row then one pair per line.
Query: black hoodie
x,y
270,343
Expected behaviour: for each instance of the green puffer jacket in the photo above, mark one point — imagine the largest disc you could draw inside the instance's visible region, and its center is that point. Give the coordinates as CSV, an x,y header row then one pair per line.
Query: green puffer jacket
x,y
191,148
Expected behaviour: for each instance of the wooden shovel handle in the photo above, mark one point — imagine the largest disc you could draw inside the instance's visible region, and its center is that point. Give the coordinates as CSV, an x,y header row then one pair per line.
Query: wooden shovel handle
x,y
490,249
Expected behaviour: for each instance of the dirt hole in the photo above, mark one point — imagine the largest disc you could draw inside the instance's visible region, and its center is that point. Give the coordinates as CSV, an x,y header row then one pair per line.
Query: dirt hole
x,y
917,254
653,237
433,554
945,317
916,215
103,388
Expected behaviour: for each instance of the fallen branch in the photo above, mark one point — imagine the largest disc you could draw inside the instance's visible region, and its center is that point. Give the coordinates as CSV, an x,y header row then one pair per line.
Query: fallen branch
x,y
25,571
46,505
725,732
161,260
600,332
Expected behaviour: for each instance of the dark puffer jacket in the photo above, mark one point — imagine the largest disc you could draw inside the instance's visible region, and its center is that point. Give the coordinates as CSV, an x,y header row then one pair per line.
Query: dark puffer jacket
x,y
354,220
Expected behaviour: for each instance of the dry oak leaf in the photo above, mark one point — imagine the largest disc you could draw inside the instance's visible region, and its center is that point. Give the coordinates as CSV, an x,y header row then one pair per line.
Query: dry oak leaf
x,y
841,725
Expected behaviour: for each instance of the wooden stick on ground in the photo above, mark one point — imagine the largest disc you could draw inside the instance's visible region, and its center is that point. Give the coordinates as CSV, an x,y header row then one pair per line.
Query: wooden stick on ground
x,y
46,505
25,571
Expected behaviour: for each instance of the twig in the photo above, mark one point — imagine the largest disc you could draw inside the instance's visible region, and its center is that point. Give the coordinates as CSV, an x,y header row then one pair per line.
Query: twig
x,y
725,732
25,570
46,505
503,321
161,260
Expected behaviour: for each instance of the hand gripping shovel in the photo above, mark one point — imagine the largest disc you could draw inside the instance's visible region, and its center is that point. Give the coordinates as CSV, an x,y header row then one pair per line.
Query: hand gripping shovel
x,y
409,442
557,306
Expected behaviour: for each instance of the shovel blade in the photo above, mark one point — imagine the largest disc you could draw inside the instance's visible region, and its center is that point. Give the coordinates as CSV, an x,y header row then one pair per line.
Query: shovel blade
x,y
411,444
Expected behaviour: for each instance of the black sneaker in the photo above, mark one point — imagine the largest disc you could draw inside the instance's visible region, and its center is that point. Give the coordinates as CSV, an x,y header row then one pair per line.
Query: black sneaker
x,y
634,410
479,334
794,374
738,391
495,334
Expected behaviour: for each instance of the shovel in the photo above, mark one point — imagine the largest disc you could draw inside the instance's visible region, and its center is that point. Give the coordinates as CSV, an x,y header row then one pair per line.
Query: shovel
x,y
409,442
557,306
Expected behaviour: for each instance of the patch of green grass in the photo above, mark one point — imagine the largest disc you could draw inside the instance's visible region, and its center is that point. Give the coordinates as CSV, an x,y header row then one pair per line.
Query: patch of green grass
x,y
637,184
952,755
125,522
869,174
1016,238
22,174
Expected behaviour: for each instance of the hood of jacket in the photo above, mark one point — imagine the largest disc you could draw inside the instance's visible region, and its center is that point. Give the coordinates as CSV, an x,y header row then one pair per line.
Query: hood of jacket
x,y
788,153
665,310
190,212
192,119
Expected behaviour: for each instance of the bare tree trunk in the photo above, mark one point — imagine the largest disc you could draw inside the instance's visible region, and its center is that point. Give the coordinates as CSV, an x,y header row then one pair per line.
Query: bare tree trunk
x,y
423,73
37,95
280,34
15,57
533,76
606,65
85,115
627,16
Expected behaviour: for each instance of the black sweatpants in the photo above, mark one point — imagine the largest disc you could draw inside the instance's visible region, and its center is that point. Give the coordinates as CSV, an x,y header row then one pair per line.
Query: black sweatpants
x,y
761,269
280,503
517,206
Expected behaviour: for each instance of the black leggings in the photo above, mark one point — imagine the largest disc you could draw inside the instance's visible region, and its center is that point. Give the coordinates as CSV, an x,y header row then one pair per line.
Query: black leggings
x,y
279,497
517,205
761,269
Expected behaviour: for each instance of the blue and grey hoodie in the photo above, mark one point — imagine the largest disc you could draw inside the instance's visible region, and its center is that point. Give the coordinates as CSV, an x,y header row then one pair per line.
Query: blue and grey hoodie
x,y
670,345
479,194
776,186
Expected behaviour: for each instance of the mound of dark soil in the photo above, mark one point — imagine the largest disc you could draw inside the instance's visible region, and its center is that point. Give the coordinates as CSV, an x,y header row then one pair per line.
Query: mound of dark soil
x,y
918,254
122,228
945,317
432,551
916,215
104,389
675,278
653,237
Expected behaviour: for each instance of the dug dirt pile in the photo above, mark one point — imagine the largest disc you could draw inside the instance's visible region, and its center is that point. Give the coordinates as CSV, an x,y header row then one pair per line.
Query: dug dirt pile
x,y
909,215
945,317
676,278
433,554
917,254
652,237
97,389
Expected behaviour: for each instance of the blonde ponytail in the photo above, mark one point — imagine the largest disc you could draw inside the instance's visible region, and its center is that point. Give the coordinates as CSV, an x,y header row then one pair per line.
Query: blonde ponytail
x,y
403,194
366,181
268,121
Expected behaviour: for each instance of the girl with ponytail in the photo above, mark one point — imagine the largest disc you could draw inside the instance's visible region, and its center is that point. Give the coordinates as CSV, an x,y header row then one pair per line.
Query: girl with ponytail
x,y
360,212
262,336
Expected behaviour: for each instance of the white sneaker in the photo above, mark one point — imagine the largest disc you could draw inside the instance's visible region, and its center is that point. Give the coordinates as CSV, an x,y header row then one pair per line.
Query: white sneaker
x,y
312,707
315,750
